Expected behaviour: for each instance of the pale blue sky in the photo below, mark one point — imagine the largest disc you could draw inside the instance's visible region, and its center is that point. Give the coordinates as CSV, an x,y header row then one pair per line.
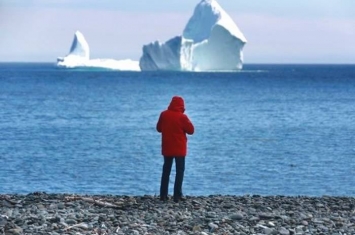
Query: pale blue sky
x,y
292,31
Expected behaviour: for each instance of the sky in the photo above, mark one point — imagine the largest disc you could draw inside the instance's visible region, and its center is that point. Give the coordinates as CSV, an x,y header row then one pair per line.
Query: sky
x,y
291,31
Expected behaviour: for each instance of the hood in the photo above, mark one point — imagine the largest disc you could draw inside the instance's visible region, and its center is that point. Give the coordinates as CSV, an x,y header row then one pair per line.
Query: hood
x,y
177,104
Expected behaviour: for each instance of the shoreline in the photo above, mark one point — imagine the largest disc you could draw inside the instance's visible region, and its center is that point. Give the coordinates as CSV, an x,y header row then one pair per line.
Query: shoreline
x,y
42,213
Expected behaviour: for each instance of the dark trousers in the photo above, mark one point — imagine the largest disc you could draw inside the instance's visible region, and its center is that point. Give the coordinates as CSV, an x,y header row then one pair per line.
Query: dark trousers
x,y
179,177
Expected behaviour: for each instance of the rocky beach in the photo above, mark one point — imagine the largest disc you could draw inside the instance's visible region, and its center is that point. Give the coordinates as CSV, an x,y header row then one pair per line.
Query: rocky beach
x,y
53,214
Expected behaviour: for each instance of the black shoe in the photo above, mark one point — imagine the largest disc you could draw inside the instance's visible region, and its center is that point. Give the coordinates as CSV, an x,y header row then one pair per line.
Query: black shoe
x,y
177,199
164,198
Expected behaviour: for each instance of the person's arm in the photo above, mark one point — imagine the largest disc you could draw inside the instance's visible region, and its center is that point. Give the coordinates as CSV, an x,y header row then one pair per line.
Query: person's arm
x,y
158,127
188,126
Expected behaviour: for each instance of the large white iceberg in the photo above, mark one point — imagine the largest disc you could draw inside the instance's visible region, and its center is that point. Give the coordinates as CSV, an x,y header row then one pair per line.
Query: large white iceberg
x,y
211,41
79,57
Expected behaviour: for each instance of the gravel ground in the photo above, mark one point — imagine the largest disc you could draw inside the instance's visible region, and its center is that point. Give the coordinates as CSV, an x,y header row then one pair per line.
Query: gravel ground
x,y
40,213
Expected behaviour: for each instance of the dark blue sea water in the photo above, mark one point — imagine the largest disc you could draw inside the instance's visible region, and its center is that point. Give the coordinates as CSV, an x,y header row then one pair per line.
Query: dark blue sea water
x,y
268,130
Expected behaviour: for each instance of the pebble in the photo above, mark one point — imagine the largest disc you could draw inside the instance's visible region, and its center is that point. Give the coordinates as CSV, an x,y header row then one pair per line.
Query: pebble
x,y
42,213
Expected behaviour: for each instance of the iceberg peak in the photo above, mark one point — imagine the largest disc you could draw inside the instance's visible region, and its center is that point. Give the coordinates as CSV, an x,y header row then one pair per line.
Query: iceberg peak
x,y
206,15
79,46
210,41
79,57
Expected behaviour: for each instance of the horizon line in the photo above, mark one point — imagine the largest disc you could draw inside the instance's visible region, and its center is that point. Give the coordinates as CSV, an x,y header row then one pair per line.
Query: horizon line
x,y
253,63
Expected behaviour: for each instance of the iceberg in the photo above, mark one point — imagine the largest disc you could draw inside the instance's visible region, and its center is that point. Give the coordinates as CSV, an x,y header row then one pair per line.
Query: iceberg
x,y
211,41
79,57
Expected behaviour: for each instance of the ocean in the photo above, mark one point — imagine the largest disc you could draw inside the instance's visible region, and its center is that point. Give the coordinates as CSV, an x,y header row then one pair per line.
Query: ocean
x,y
266,130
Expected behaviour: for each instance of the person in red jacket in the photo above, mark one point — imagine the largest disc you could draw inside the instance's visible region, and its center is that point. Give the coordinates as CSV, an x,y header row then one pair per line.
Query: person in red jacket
x,y
173,125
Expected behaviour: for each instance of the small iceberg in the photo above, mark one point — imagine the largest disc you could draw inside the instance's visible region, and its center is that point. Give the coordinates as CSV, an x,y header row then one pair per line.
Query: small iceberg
x,y
79,57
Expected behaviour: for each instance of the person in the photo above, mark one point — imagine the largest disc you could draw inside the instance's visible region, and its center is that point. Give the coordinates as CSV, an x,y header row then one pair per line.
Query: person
x,y
173,125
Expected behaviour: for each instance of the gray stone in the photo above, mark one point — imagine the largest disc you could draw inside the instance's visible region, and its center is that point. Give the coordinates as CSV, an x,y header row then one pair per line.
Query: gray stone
x,y
266,216
61,206
16,231
269,231
284,231
3,220
236,216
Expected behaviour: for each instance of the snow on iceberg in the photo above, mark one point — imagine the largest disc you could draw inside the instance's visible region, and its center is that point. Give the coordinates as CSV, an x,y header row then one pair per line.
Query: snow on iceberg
x,y
211,41
79,57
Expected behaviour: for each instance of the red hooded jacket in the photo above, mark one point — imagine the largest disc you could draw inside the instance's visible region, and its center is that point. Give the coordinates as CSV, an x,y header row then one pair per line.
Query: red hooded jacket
x,y
174,125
